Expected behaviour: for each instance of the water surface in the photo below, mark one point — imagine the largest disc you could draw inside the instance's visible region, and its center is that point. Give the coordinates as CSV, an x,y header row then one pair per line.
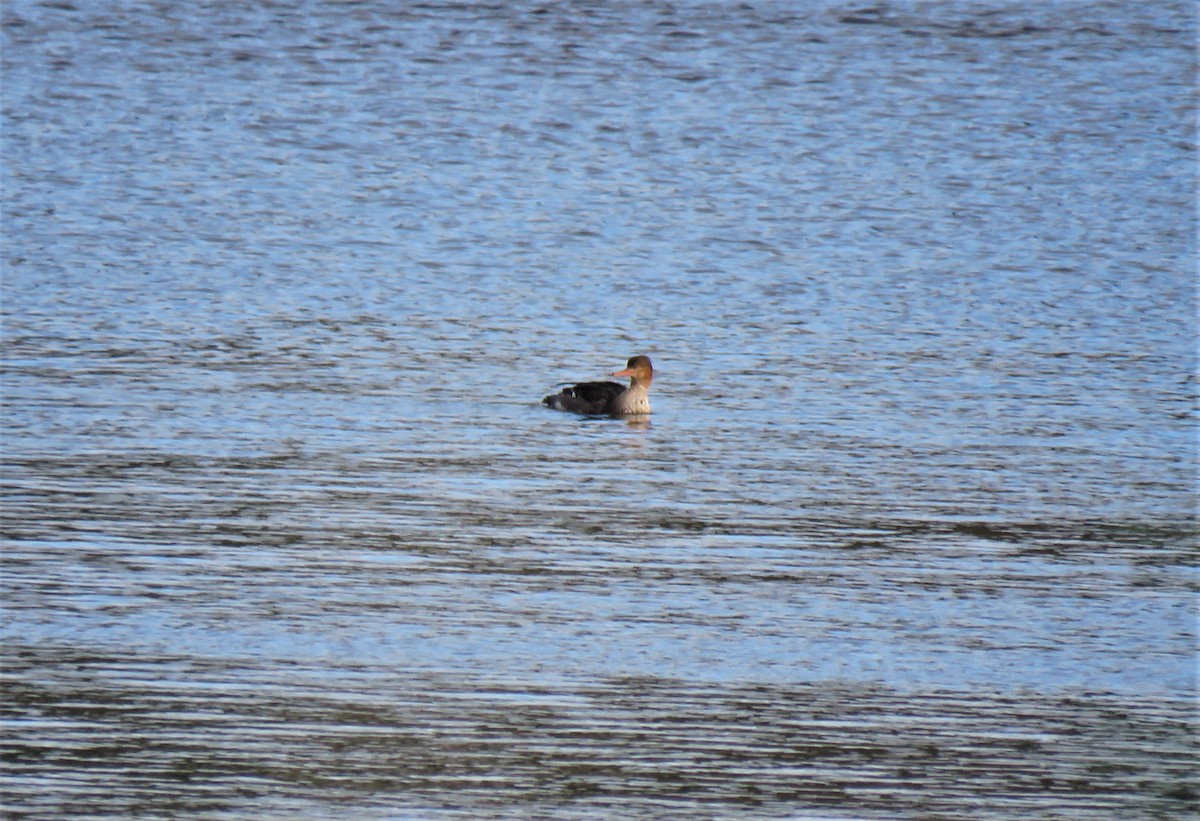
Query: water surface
x,y
910,533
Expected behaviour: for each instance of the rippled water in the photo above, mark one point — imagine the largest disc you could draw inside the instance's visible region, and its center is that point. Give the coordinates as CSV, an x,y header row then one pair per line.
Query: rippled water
x,y
911,532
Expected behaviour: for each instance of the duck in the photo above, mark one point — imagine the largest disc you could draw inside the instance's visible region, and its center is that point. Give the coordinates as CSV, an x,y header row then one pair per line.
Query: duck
x,y
609,398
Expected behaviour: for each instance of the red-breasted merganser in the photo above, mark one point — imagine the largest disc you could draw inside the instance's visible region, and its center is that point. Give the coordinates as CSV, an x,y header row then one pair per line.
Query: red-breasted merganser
x,y
611,398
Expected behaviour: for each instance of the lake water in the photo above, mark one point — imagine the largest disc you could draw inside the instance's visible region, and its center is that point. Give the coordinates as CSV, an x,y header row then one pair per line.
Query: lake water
x,y
911,532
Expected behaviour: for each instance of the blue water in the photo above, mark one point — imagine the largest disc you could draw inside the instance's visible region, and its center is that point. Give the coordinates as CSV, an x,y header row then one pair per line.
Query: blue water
x,y
287,531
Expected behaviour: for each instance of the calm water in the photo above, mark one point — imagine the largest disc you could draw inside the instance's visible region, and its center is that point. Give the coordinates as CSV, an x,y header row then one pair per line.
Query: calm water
x,y
287,534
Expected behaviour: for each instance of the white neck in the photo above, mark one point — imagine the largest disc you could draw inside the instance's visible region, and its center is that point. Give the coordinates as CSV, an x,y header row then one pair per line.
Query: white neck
x,y
634,399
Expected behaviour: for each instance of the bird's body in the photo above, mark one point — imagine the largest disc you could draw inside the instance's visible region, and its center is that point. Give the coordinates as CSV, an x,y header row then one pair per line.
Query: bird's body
x,y
609,398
